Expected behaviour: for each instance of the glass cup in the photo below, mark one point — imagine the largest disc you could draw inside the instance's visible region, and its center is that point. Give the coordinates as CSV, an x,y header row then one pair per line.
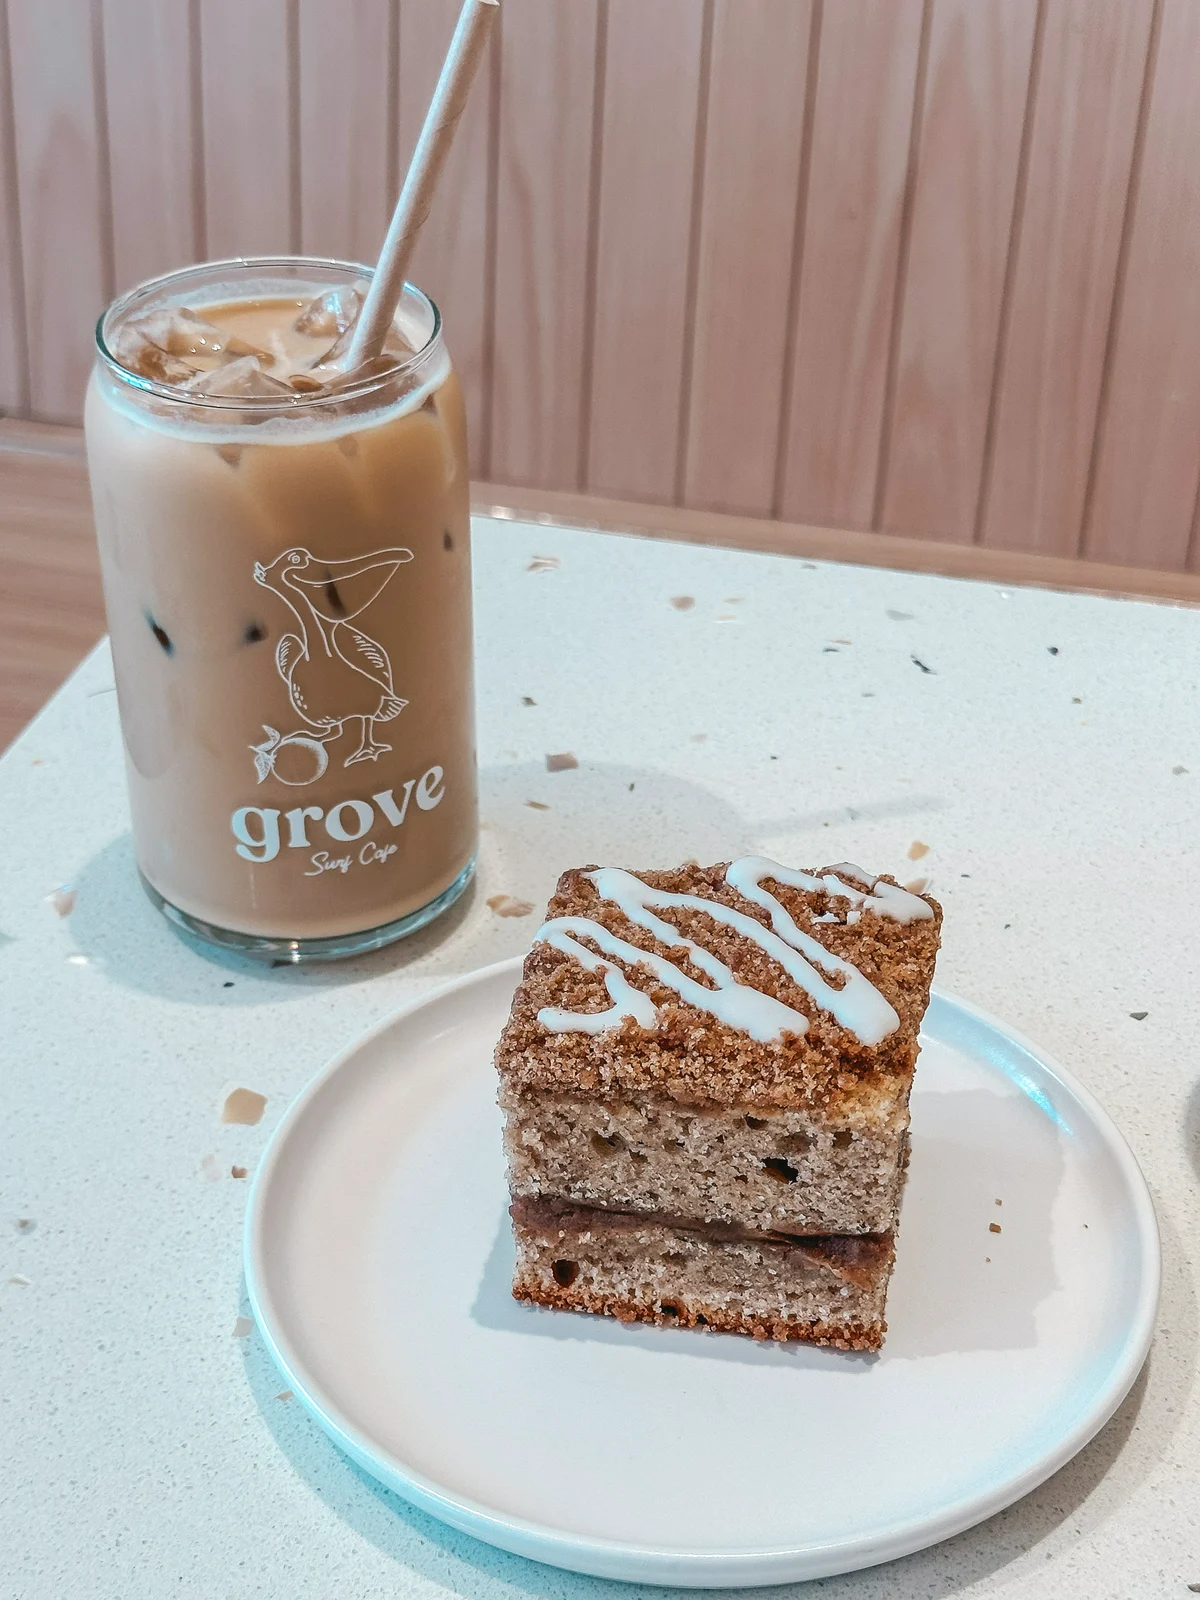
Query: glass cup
x,y
288,587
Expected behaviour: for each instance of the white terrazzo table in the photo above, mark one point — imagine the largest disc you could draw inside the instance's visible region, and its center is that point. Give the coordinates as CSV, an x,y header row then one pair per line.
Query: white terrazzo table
x,y
1045,746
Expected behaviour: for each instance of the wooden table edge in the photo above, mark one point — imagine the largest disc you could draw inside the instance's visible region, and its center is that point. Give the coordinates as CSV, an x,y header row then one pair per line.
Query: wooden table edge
x,y
815,543
809,541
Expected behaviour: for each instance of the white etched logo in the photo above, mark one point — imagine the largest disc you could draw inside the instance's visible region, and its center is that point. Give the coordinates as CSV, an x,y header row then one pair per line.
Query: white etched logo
x,y
337,677
260,830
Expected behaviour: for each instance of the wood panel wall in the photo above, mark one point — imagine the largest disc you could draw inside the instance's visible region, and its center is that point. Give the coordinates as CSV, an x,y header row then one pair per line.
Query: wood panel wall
x,y
926,267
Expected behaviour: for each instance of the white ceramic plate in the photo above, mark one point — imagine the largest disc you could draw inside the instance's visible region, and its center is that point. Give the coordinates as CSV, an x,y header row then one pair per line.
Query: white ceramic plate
x,y
378,1260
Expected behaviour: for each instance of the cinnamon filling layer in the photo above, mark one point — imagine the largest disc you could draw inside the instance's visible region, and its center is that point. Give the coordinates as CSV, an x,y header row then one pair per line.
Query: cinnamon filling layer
x,y
859,1257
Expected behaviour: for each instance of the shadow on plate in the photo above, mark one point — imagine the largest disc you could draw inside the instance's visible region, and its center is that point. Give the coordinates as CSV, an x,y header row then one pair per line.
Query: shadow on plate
x,y
947,1295
984,1289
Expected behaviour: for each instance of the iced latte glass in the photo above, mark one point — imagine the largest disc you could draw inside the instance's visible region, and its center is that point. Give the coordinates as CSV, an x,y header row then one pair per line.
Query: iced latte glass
x,y
286,559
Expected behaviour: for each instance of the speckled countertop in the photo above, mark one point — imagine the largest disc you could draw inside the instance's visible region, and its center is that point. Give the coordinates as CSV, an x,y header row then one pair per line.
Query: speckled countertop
x,y
1045,747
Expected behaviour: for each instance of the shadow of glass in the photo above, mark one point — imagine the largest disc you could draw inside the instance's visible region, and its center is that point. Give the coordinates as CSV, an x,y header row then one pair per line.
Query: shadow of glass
x,y
910,805
537,824
115,926
601,812
598,812
633,815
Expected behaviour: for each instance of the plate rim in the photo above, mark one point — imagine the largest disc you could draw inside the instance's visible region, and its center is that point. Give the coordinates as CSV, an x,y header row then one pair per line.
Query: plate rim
x,y
619,1559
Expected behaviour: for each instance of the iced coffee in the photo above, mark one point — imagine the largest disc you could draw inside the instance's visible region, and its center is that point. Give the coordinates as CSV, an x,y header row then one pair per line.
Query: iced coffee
x,y
286,561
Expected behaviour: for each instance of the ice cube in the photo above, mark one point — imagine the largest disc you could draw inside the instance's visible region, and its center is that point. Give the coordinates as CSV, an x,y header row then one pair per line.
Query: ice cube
x,y
182,333
242,378
305,383
332,365
137,353
330,314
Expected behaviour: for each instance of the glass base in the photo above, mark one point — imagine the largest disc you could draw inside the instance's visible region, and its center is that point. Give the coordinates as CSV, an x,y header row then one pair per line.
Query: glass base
x,y
294,951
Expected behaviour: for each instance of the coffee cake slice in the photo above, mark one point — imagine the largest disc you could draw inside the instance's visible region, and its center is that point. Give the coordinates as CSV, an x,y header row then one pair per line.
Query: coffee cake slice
x,y
705,1081
731,1044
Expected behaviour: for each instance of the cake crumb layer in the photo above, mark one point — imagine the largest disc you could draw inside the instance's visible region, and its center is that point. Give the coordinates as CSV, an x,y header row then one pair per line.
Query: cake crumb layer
x,y
763,1168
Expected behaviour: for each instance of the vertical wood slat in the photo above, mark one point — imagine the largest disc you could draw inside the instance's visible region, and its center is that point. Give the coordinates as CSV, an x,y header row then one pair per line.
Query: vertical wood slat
x,y
345,139
862,116
245,73
755,126
651,90
61,185
976,91
147,69
290,131
1147,460
543,190
1080,154
14,366
450,261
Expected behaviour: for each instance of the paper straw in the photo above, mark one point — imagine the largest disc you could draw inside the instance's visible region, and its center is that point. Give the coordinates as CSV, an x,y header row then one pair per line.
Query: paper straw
x,y
458,71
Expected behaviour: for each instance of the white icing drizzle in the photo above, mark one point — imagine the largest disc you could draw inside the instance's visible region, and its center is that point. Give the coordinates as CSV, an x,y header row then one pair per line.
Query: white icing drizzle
x,y
857,1004
759,1015
627,1001
885,899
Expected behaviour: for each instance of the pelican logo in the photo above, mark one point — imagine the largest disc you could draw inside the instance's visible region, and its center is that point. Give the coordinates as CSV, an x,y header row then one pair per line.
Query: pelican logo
x,y
337,677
